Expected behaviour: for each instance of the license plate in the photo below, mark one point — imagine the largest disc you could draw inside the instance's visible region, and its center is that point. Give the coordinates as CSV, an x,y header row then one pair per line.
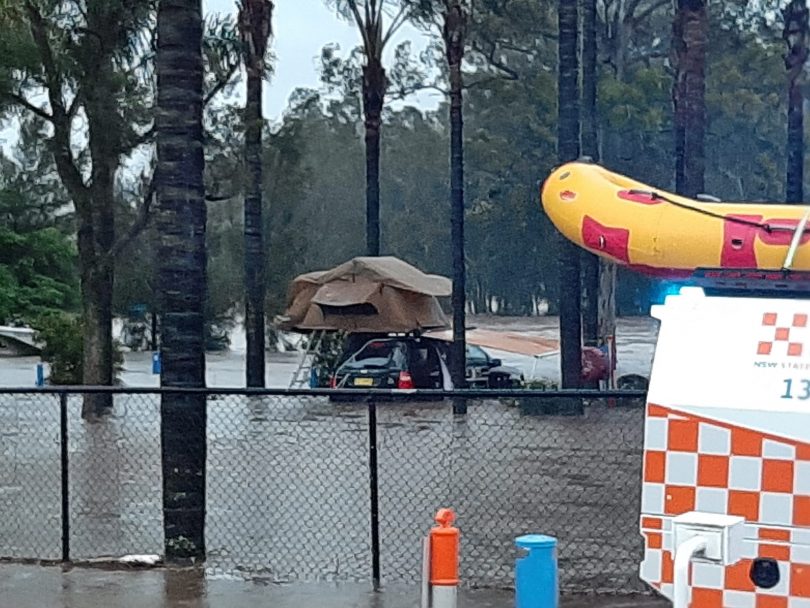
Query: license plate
x,y
364,382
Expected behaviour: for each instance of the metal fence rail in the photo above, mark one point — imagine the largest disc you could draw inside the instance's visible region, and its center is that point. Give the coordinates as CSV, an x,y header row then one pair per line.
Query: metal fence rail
x,y
304,487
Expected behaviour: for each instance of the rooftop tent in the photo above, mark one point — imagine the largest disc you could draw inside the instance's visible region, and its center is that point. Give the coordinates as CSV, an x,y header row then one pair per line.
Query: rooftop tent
x,y
366,294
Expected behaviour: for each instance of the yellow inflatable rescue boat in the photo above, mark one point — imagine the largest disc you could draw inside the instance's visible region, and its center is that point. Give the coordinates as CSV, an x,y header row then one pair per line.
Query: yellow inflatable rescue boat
x,y
671,236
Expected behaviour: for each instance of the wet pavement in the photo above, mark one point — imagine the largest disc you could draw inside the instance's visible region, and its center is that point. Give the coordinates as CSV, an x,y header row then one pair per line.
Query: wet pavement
x,y
53,587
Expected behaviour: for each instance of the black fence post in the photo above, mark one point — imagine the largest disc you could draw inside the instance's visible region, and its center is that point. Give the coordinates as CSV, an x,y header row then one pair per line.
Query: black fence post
x,y
459,406
63,444
374,493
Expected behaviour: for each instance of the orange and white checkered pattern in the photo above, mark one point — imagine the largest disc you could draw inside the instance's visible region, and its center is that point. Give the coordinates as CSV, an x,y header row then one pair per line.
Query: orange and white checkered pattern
x,y
696,464
780,332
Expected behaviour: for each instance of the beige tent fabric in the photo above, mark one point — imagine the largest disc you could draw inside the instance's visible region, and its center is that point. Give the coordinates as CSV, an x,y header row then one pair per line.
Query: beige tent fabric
x,y
390,271
366,295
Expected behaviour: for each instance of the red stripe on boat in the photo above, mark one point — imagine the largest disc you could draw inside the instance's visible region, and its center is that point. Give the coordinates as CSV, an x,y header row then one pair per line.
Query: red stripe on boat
x,y
612,241
738,242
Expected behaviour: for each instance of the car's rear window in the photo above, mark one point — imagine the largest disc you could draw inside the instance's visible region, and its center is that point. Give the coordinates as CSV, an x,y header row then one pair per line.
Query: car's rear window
x,y
381,354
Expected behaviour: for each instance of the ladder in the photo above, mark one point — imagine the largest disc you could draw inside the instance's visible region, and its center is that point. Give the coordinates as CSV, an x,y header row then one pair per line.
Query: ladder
x,y
302,373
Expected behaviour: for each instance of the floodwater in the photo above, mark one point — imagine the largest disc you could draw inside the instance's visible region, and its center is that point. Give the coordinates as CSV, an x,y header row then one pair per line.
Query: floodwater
x,y
288,488
33,587
635,343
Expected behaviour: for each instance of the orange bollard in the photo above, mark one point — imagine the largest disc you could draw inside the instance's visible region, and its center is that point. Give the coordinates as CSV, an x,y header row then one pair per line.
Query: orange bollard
x,y
444,548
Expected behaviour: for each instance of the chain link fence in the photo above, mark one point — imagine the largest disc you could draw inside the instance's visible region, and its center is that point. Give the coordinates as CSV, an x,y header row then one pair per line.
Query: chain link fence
x,y
290,482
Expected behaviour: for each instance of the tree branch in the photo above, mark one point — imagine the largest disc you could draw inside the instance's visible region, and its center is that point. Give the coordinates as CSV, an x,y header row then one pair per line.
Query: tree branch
x,y
70,175
138,226
496,63
404,92
396,23
370,7
635,20
218,198
52,76
360,23
484,81
219,85
22,101
74,106
631,8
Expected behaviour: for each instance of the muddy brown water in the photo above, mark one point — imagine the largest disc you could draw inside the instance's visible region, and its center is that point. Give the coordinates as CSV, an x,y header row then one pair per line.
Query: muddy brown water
x,y
288,487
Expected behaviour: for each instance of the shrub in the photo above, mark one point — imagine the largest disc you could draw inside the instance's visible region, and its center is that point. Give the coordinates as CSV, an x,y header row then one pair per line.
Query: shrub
x,y
62,337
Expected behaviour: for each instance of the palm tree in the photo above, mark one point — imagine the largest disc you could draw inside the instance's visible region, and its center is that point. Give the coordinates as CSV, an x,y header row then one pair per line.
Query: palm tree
x,y
690,39
590,147
795,34
182,272
450,17
255,27
453,32
369,16
568,150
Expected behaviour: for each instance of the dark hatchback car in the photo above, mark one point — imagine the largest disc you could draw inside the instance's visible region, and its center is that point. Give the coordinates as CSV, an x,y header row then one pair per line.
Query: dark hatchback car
x,y
415,363
388,363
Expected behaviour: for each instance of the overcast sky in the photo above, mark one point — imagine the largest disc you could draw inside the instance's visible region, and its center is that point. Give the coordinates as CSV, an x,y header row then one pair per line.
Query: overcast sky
x,y
302,28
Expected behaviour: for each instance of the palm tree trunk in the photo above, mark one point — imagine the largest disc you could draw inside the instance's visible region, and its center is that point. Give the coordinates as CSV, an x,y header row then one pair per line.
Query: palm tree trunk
x,y
254,241
255,23
690,39
454,24
374,86
568,150
590,147
795,35
794,191
182,273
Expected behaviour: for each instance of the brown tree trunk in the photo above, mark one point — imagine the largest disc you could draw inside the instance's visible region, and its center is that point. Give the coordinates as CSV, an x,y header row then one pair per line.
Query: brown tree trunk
x,y
97,266
97,353
689,40
374,86
795,35
182,274
568,150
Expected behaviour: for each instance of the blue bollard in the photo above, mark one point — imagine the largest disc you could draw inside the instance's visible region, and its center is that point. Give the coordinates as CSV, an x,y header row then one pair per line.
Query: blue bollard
x,y
536,583
156,363
313,378
40,375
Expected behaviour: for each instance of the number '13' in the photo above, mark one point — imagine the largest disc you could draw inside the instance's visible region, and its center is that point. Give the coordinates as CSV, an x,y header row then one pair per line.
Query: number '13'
x,y
789,388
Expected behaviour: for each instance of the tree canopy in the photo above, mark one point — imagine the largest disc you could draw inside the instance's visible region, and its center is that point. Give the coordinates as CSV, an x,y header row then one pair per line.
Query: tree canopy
x,y
314,182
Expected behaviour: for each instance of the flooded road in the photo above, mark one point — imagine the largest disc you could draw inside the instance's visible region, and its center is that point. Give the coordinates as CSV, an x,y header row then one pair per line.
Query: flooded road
x,y
635,343
288,478
288,487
